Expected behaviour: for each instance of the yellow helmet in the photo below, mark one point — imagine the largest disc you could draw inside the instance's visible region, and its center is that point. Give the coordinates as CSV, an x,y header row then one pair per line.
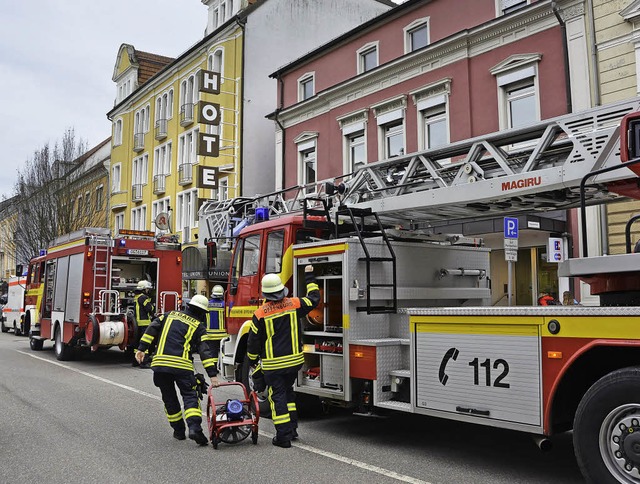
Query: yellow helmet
x,y
199,301
217,291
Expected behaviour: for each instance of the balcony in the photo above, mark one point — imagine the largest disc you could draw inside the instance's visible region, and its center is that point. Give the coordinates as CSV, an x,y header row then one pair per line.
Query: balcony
x,y
185,174
136,192
186,114
138,142
161,129
159,184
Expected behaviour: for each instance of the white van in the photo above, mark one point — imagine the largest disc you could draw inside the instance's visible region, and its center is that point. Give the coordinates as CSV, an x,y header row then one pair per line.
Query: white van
x,y
13,311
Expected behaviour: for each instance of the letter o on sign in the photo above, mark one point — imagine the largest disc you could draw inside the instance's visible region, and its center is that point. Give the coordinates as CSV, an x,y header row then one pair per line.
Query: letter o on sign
x,y
210,112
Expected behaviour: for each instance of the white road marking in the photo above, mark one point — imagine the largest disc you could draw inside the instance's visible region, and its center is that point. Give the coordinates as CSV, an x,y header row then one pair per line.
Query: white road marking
x,y
307,448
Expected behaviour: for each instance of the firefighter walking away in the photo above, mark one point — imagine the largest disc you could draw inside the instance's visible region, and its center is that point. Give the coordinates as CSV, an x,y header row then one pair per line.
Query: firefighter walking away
x,y
177,334
276,339
144,312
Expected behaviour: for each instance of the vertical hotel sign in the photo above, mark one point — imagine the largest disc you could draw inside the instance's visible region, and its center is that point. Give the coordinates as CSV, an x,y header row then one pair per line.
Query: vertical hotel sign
x,y
209,113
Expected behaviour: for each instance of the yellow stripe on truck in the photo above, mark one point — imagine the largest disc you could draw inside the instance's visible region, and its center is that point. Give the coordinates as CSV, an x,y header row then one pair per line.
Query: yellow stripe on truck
x,y
325,249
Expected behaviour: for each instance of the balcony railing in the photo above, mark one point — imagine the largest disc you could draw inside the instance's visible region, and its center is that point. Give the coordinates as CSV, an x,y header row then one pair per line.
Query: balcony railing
x,y
138,142
159,184
161,129
186,114
136,192
185,174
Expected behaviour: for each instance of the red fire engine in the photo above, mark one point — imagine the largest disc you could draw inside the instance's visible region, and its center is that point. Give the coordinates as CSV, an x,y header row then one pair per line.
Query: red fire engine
x,y
80,292
410,307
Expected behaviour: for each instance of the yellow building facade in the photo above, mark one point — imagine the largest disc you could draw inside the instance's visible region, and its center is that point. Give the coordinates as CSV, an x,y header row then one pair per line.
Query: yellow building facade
x,y
155,157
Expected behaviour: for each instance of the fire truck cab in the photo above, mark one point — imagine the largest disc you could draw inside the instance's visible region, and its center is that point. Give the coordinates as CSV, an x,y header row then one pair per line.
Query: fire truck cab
x,y
81,291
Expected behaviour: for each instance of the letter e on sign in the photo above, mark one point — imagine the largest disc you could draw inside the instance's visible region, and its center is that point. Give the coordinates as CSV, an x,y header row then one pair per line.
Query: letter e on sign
x,y
207,177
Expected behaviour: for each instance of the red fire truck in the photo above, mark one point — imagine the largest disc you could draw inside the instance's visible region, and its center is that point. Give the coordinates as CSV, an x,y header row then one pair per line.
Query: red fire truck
x,y
406,321
80,292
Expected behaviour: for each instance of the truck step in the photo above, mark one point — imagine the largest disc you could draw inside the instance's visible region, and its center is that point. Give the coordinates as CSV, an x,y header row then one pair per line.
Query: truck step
x,y
376,309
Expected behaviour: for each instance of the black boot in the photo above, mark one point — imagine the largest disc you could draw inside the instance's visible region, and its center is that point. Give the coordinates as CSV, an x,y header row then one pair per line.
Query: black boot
x,y
198,436
179,434
285,444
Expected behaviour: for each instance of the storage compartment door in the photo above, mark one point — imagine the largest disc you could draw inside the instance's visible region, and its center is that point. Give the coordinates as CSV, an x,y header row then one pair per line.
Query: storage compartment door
x,y
482,370
60,296
74,288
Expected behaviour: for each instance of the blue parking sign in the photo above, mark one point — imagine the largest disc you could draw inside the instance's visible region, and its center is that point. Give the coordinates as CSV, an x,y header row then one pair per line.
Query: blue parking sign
x,y
510,228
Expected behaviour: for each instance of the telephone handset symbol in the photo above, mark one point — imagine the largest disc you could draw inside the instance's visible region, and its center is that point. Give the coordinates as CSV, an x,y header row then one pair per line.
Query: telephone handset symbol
x,y
451,354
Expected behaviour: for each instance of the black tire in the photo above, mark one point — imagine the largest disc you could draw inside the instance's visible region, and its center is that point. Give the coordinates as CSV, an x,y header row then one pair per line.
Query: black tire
x,y
254,437
606,435
247,381
25,325
16,329
95,330
4,328
36,344
63,351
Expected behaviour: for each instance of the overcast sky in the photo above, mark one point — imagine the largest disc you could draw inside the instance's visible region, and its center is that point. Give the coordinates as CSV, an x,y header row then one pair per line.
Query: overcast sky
x,y
56,64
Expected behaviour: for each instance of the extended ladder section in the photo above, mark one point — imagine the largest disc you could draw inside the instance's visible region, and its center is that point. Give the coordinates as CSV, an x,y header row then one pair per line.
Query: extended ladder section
x,y
537,167
101,248
356,224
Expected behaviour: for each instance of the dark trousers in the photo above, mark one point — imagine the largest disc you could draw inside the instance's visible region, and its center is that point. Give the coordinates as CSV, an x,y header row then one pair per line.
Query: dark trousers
x,y
186,383
282,400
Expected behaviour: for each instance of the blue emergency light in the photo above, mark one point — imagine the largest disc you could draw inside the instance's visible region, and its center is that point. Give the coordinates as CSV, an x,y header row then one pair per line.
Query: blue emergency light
x,y
262,214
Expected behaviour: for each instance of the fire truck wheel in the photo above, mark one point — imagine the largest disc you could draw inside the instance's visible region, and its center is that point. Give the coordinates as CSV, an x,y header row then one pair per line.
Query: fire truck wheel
x,y
606,434
62,350
36,344
247,381
92,333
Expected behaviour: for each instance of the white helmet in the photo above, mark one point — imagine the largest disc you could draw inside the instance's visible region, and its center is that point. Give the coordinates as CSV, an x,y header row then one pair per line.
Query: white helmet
x,y
271,283
217,291
199,301
142,285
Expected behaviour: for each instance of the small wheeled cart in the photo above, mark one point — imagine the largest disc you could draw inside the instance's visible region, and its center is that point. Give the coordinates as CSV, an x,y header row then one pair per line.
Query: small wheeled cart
x,y
231,420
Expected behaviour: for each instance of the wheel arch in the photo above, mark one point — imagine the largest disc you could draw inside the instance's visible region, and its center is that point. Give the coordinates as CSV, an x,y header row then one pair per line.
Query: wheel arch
x,y
586,369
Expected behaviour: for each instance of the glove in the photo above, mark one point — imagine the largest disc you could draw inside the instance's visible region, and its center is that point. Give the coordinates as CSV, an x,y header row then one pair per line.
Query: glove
x,y
201,385
259,384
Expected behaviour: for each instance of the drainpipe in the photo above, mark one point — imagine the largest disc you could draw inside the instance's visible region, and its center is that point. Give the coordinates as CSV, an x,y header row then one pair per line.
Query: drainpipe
x,y
283,143
597,101
565,51
242,23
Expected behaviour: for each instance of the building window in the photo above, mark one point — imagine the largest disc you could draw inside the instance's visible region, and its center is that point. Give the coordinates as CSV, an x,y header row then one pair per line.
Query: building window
x,y
308,166
158,207
141,120
357,154
368,57
87,203
79,207
119,221
99,197
306,87
186,209
508,6
521,103
139,218
188,97
115,178
216,63
434,122
117,133
393,139
416,35
140,172
518,91
187,148
223,189
162,160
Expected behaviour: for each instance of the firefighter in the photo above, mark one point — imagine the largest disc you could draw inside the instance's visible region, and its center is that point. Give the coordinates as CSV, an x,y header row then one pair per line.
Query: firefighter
x,y
179,334
144,312
215,321
276,338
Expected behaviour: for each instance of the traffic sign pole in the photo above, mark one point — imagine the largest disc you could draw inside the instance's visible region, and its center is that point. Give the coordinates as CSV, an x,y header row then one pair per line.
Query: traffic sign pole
x,y
510,252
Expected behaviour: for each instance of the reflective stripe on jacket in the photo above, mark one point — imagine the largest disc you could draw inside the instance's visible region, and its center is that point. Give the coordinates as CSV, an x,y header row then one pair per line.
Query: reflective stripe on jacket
x,y
178,335
276,331
215,321
144,309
